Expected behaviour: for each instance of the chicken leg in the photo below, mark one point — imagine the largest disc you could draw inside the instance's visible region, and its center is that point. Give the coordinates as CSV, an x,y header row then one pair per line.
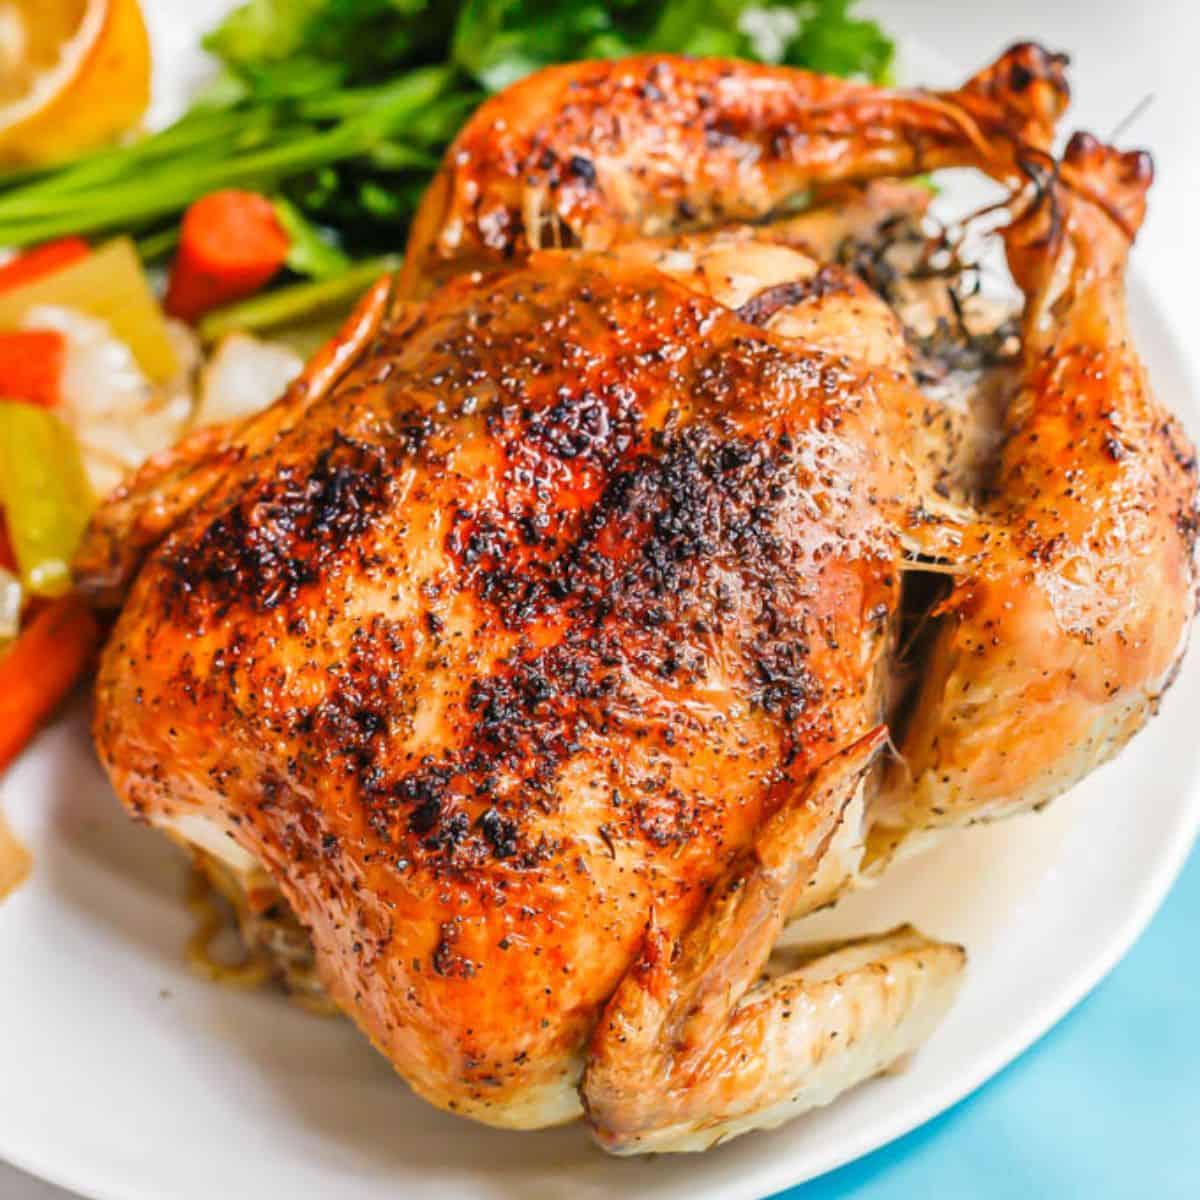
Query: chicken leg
x,y
1078,581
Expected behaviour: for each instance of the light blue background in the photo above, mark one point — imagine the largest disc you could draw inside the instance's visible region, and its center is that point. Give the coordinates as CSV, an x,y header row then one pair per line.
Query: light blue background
x,y
1105,1107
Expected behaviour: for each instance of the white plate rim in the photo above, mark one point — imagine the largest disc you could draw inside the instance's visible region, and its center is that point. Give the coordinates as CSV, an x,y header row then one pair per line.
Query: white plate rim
x,y
777,1173
774,1175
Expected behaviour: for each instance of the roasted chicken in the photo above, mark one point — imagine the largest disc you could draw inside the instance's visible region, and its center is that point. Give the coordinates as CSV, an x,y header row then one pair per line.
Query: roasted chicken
x,y
617,588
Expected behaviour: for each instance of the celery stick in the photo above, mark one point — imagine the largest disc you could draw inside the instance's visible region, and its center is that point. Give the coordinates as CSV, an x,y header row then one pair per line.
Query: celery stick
x,y
296,302
45,494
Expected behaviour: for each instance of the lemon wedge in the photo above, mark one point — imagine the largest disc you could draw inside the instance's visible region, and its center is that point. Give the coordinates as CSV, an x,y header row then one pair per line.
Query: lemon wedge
x,y
73,74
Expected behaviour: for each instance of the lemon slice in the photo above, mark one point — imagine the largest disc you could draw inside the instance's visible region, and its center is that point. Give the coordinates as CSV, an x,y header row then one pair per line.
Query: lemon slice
x,y
73,74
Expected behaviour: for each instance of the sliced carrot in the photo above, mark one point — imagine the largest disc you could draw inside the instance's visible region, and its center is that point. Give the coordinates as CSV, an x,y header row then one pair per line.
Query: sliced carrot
x,y
231,244
42,260
40,668
31,364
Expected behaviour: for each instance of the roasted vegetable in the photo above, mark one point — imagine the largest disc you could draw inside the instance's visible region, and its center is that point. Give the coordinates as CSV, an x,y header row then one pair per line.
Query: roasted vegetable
x,y
44,493
231,243
110,284
31,363
297,302
41,260
39,669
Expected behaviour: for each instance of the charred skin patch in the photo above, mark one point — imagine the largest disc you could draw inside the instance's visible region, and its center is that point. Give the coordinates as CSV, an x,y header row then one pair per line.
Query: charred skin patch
x,y
620,556
625,477
281,534
686,536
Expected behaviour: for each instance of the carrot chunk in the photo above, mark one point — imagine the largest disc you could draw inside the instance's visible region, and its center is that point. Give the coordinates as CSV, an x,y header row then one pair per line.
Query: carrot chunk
x,y
231,244
31,364
40,668
42,260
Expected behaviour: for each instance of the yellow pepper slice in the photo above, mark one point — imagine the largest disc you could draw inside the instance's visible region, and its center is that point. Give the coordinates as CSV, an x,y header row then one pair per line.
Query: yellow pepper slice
x,y
45,495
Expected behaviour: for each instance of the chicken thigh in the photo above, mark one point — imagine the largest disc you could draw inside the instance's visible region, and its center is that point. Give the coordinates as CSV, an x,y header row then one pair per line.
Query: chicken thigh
x,y
539,646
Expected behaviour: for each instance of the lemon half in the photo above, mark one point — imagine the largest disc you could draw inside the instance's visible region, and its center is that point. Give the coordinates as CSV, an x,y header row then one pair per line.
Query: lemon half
x,y
73,75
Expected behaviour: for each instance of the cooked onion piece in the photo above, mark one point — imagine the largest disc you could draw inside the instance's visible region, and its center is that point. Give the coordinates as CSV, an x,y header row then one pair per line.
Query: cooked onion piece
x,y
119,416
243,377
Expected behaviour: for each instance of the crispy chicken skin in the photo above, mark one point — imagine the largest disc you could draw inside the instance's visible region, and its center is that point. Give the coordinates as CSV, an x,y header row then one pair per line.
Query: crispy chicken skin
x,y
539,643
585,154
516,638
1078,573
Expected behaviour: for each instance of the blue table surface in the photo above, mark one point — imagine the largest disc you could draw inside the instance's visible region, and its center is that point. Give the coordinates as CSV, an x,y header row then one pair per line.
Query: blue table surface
x,y
1105,1107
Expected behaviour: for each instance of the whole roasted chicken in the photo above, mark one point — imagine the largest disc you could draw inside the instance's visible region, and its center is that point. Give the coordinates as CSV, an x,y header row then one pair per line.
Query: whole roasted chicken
x,y
647,566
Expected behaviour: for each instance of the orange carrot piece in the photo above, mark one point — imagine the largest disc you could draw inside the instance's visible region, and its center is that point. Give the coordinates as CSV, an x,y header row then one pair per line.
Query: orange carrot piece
x,y
231,244
40,668
42,260
31,364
